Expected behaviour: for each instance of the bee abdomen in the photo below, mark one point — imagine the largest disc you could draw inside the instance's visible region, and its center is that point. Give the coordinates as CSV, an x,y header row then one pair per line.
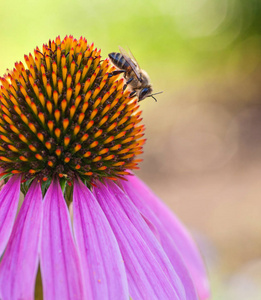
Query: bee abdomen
x,y
118,60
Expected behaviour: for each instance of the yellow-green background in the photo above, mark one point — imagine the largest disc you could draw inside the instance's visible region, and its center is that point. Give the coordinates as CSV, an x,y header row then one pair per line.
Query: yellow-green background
x,y
203,154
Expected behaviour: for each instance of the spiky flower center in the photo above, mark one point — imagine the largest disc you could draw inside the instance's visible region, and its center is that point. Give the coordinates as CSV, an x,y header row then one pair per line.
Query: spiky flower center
x,y
64,115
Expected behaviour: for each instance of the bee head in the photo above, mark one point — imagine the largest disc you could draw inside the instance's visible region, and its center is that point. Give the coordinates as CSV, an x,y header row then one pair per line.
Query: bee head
x,y
145,92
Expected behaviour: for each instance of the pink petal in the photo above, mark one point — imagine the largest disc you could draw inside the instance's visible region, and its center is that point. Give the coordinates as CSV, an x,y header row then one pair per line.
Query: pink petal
x,y
146,278
143,198
102,264
164,238
144,228
59,261
9,198
18,268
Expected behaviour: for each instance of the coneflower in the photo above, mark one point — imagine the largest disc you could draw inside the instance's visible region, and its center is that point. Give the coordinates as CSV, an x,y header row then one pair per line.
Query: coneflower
x,y
69,137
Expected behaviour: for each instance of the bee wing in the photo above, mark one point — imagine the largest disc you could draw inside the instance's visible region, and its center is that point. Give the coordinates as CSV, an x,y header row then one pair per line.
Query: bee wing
x,y
133,58
132,61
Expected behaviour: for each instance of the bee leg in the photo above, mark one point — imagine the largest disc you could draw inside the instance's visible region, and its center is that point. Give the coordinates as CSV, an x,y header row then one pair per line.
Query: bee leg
x,y
116,72
53,56
127,82
75,61
44,55
132,94
41,53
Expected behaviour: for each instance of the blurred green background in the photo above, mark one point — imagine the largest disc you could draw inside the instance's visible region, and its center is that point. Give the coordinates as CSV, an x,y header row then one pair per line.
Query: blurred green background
x,y
203,154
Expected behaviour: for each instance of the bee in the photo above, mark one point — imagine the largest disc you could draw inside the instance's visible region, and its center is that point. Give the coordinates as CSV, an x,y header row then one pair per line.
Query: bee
x,y
137,79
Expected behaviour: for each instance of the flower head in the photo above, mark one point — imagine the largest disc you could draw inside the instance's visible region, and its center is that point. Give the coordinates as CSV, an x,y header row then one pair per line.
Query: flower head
x,y
65,116
70,133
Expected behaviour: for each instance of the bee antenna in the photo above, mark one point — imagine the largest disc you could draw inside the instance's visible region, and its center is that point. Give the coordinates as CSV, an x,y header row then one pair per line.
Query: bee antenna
x,y
155,94
153,98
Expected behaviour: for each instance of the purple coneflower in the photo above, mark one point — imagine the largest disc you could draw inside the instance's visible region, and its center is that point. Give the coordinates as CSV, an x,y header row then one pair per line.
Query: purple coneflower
x,y
69,136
